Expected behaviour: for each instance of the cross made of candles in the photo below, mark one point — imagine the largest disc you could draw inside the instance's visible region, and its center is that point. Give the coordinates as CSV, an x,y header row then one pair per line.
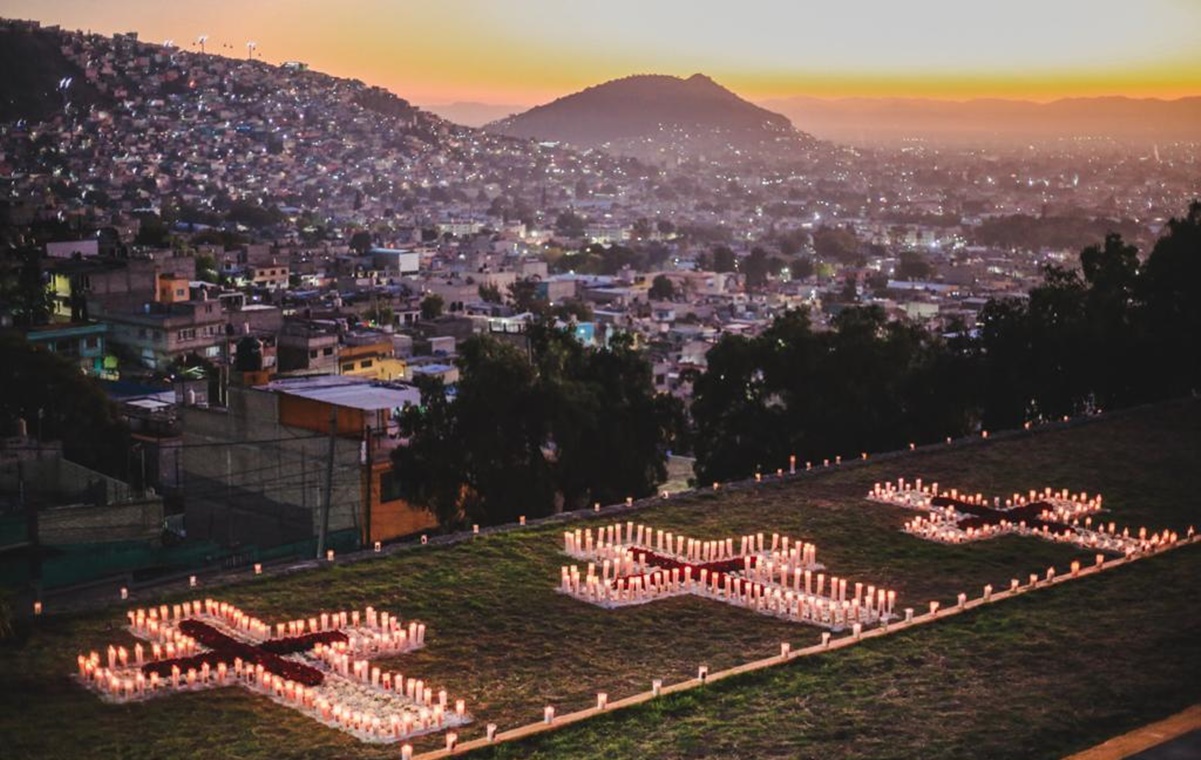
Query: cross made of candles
x,y
635,564
954,517
320,666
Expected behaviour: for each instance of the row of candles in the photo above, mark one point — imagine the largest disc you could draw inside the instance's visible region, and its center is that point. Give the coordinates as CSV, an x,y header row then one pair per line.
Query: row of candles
x,y
369,631
614,539
701,580
770,599
915,495
124,685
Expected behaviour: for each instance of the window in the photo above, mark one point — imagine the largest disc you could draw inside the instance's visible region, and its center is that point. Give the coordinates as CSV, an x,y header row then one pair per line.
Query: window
x,y
92,342
179,293
187,334
327,351
366,364
348,367
313,354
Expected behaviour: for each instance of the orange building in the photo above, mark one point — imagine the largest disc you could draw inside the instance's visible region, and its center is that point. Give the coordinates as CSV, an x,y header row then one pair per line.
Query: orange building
x,y
365,411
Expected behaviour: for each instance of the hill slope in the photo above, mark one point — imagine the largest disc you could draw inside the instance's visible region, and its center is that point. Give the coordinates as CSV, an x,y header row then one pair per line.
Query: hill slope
x,y
657,116
31,67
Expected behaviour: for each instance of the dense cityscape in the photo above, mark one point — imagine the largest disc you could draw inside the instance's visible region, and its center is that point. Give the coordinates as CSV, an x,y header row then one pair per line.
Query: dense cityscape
x,y
251,312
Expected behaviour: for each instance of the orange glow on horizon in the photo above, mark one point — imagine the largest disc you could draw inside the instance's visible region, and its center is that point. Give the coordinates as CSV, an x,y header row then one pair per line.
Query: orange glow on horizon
x,y
530,52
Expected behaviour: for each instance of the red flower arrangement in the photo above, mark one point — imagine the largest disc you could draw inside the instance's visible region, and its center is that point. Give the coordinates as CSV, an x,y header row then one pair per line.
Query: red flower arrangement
x,y
982,515
226,649
664,564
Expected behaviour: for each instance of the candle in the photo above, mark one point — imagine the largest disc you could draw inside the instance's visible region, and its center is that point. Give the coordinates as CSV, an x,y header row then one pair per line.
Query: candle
x,y
258,568
548,714
657,686
490,731
602,700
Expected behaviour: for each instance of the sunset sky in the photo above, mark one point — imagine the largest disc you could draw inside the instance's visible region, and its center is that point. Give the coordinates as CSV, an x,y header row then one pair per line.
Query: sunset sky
x,y
524,52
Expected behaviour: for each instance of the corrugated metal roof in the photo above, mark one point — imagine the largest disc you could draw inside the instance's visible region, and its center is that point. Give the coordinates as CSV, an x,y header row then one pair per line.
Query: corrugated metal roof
x,y
348,392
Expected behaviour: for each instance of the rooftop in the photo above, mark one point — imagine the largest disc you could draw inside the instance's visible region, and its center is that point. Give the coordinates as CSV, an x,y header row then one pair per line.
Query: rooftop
x,y
348,392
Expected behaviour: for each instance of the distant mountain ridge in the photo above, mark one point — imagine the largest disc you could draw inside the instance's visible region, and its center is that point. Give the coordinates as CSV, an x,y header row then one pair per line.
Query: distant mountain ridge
x,y
653,115
884,120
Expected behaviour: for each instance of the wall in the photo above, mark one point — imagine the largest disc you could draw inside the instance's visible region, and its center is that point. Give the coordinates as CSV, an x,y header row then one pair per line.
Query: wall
x,y
250,478
140,520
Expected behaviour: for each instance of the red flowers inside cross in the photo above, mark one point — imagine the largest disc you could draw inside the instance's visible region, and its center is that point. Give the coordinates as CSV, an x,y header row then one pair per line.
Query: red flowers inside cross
x,y
223,648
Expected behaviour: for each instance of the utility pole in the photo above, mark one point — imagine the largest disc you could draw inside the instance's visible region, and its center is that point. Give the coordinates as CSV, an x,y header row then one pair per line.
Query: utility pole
x,y
329,484
370,470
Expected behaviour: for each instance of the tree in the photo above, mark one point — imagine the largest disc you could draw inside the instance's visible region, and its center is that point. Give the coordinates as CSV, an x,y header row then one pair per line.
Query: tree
x,y
490,293
802,268
380,314
206,267
431,307
724,259
431,463
360,242
556,424
23,287
662,288
524,296
569,225
1170,279
60,403
913,266
836,244
756,267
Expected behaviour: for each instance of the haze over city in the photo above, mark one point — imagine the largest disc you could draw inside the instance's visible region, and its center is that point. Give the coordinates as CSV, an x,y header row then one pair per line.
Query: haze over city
x,y
531,51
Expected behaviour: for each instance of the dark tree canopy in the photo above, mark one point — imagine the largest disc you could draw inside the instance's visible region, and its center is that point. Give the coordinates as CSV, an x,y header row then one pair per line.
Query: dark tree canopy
x,y
52,396
531,431
1111,334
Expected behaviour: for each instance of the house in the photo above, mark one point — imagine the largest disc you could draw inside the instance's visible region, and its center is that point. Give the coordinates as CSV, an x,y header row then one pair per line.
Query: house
x,y
371,355
159,334
84,343
263,470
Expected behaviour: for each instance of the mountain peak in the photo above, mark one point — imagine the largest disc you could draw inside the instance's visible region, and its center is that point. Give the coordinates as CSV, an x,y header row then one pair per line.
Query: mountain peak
x,y
654,115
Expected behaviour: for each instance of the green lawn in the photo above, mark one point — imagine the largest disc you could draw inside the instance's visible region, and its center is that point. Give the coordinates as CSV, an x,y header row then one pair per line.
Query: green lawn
x,y
1037,676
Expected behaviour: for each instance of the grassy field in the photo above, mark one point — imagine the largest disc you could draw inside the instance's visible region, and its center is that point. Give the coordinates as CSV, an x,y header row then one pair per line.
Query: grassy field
x,y
1038,676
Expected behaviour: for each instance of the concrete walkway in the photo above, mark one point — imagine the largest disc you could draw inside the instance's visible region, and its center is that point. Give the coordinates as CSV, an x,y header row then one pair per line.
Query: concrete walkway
x,y
1174,738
